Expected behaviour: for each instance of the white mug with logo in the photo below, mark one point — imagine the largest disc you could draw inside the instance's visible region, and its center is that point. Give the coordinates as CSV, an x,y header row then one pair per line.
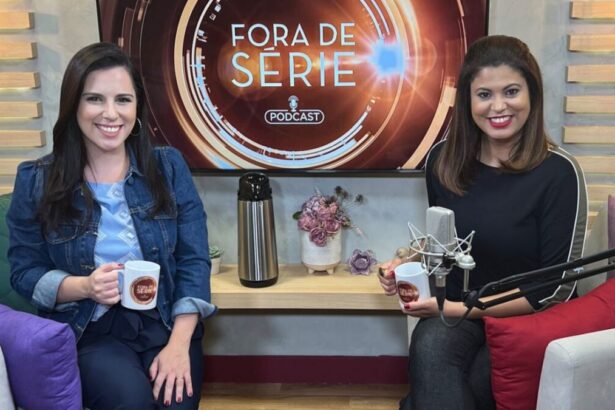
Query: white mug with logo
x,y
139,284
412,283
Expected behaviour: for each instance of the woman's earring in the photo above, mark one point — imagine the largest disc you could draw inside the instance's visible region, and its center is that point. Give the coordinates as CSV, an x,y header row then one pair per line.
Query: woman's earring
x,y
133,133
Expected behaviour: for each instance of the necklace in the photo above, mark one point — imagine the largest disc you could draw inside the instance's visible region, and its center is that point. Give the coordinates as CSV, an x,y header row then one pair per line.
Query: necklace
x,y
110,171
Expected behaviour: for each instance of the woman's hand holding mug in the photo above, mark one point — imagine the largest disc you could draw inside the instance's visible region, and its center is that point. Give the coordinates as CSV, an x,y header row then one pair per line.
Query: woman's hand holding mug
x,y
386,276
102,284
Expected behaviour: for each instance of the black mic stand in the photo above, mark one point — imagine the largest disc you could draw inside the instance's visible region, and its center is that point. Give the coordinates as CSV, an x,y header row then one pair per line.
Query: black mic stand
x,y
511,282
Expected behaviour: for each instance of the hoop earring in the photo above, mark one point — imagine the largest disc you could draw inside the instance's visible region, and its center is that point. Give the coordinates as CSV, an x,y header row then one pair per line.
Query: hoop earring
x,y
133,133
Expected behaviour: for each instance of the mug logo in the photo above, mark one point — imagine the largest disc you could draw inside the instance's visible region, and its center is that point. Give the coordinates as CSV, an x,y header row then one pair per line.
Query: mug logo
x,y
143,290
294,116
408,292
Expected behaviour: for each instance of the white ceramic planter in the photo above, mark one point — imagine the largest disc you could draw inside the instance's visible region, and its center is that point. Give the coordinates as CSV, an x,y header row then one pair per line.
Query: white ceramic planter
x,y
215,265
321,258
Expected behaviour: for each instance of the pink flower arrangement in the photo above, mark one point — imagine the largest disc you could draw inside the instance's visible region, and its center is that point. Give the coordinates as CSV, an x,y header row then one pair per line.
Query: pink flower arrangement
x,y
323,216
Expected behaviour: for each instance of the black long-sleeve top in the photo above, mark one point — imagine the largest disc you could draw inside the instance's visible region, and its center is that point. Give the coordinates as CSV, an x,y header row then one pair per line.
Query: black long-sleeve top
x,y
523,221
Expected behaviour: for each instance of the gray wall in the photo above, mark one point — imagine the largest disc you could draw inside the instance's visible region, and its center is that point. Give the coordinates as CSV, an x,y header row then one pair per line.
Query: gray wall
x,y
63,27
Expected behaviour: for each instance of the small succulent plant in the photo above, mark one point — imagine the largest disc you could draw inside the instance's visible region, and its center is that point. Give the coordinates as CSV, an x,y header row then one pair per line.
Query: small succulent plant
x,y
215,251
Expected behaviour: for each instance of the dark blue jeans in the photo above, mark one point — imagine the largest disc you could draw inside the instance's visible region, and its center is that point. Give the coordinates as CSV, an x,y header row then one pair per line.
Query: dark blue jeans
x,y
449,368
114,358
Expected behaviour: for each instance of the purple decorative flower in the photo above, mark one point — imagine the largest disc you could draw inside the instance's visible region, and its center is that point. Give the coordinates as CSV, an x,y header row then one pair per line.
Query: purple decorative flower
x,y
361,262
323,216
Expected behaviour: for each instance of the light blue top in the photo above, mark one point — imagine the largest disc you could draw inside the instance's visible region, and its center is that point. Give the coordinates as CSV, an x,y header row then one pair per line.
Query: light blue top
x,y
117,239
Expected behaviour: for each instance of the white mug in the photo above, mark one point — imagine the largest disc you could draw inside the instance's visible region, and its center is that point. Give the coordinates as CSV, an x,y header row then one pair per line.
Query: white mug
x,y
139,284
412,283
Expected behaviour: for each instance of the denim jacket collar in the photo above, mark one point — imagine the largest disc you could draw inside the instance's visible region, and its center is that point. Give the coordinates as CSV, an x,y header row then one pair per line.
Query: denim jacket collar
x,y
133,167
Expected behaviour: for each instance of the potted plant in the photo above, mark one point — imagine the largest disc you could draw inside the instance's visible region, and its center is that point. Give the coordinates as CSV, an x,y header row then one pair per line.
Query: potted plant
x,y
215,254
321,220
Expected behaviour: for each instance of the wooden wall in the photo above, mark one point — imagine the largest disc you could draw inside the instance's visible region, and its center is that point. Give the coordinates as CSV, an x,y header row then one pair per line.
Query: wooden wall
x,y
590,113
18,109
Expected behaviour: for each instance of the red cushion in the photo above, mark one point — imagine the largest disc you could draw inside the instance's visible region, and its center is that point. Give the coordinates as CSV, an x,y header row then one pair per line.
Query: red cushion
x,y
611,229
611,220
517,344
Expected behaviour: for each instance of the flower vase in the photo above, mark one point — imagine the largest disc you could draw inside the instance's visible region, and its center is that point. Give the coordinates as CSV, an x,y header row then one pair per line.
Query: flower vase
x,y
321,258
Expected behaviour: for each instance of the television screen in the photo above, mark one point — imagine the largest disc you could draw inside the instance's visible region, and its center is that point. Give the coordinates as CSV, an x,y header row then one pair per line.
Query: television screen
x,y
294,85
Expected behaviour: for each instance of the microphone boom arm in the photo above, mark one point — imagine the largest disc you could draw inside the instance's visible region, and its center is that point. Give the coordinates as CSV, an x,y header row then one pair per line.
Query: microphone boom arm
x,y
472,299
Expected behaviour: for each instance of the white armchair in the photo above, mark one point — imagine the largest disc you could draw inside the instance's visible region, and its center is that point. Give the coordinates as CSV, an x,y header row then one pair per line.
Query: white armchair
x,y
6,398
578,372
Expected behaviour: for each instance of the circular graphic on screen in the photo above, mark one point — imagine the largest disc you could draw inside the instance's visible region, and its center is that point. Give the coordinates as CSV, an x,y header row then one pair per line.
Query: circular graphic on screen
x,y
290,85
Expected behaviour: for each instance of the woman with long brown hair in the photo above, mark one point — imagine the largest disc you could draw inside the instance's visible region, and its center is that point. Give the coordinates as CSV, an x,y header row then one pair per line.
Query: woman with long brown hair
x,y
103,197
526,200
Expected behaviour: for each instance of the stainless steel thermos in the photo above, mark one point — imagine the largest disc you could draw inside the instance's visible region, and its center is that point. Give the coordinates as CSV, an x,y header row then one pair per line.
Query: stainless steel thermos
x,y
258,258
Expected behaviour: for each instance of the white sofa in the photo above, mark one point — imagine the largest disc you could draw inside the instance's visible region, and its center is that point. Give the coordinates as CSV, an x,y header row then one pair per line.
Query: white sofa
x,y
6,398
578,372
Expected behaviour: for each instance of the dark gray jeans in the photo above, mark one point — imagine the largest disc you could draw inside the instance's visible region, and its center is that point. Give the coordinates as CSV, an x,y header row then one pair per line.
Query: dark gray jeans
x,y
449,368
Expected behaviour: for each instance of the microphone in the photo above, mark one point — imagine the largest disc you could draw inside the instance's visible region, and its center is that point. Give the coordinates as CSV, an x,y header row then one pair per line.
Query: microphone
x,y
440,243
440,249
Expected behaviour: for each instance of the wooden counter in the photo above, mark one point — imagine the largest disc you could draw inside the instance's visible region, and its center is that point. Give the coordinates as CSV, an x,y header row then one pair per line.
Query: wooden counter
x,y
296,289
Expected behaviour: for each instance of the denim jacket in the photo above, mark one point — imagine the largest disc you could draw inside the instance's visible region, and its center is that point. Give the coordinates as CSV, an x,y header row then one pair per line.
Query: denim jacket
x,y
176,241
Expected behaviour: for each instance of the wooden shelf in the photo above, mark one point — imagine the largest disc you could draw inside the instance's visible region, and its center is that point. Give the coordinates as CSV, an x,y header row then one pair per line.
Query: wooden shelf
x,y
591,73
19,50
592,10
590,104
19,80
8,166
597,164
296,289
600,192
20,109
21,138
16,20
577,134
592,43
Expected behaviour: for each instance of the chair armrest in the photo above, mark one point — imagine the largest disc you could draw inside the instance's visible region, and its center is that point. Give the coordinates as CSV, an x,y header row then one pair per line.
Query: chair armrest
x,y
578,373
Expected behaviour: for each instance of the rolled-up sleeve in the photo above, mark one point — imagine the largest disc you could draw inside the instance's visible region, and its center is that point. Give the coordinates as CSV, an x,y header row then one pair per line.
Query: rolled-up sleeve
x,y
46,290
193,266
193,305
27,254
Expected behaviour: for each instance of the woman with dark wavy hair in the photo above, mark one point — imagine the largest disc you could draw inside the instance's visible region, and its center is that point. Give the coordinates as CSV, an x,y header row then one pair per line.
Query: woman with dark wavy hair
x,y
455,166
525,198
103,197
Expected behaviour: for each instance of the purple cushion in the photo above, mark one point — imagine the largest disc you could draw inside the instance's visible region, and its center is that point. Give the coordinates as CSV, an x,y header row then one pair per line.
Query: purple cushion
x,y
41,361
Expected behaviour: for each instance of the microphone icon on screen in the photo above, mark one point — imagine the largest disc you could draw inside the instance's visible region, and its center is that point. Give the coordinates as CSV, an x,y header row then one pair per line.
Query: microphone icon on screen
x,y
293,103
